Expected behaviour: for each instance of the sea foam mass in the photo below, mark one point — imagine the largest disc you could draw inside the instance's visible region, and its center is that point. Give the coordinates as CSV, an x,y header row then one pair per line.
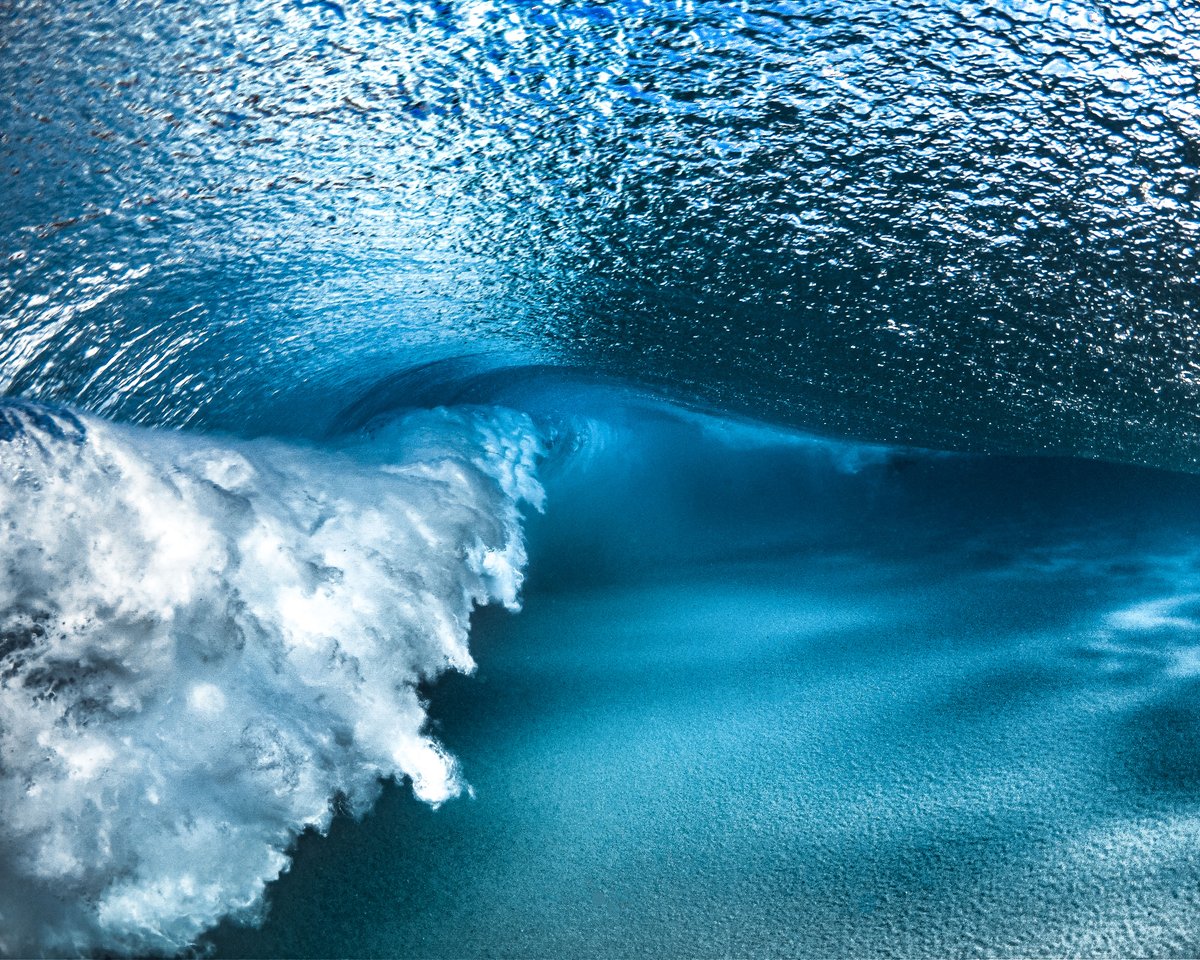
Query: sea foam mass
x,y
204,642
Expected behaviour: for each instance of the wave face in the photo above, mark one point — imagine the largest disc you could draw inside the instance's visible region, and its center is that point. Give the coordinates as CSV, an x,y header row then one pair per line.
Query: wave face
x,y
283,226
203,643
949,224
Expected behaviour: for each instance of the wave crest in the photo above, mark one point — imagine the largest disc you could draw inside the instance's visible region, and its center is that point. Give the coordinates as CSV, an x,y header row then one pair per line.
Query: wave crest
x,y
202,643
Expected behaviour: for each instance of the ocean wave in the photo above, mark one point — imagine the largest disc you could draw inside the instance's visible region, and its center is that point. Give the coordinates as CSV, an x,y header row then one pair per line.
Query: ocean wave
x,y
205,642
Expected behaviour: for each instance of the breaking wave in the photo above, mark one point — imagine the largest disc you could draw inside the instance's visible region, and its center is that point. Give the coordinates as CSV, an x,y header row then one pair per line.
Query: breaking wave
x,y
207,645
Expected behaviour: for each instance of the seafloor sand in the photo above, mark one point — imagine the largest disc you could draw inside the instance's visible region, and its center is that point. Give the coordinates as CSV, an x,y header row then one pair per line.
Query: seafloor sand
x,y
757,706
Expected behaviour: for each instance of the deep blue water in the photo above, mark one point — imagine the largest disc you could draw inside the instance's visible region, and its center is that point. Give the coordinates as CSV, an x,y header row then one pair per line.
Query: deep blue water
x,y
819,378
755,706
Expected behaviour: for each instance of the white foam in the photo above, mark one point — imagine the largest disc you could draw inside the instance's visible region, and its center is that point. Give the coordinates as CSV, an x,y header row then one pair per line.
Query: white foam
x,y
202,643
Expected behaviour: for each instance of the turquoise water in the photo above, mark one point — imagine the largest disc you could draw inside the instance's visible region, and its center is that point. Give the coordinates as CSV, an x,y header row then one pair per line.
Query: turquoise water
x,y
950,224
820,378
928,710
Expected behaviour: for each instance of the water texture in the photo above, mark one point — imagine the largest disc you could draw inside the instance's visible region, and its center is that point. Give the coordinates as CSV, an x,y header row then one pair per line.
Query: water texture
x,y
850,349
851,216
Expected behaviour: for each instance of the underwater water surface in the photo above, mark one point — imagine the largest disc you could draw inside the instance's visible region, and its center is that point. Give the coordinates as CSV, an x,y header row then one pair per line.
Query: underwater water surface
x,y
814,383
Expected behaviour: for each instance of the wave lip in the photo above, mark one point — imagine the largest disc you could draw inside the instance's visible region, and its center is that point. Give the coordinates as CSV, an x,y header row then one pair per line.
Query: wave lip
x,y
202,643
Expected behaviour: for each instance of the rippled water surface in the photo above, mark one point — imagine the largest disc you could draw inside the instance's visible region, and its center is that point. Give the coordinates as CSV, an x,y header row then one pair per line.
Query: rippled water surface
x,y
960,224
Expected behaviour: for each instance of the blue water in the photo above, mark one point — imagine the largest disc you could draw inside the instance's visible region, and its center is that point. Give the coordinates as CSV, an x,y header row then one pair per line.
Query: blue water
x,y
754,705
815,384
